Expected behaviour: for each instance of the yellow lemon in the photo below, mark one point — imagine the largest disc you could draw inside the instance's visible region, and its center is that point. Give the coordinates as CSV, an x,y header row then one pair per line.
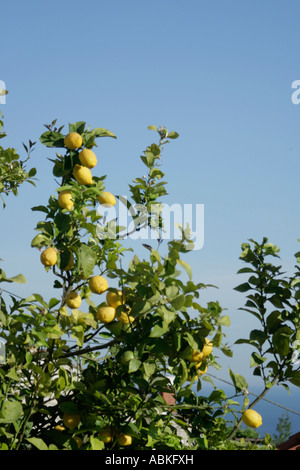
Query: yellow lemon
x,y
125,317
115,299
59,427
73,141
49,257
73,300
71,421
98,284
193,375
82,174
197,356
251,418
65,200
107,199
106,314
124,440
106,435
88,158
207,348
201,371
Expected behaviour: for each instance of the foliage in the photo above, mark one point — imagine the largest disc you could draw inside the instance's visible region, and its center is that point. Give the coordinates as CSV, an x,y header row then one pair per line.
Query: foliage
x,y
13,171
61,360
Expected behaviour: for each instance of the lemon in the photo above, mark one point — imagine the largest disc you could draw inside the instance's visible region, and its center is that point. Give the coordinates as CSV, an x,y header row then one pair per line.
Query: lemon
x,y
65,200
59,427
207,348
197,356
49,257
124,440
82,174
107,199
251,418
106,435
127,357
73,300
201,371
124,317
71,421
106,314
98,284
73,141
88,158
115,299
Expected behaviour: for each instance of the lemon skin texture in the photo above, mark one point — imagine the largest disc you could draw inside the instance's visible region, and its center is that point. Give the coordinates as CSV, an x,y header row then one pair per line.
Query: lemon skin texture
x,y
87,158
49,257
73,141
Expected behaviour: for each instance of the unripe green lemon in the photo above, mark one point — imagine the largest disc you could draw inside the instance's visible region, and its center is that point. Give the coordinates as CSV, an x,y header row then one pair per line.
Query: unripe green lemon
x,y
106,314
127,357
73,141
73,300
88,158
98,284
115,299
65,200
107,199
49,257
251,418
82,174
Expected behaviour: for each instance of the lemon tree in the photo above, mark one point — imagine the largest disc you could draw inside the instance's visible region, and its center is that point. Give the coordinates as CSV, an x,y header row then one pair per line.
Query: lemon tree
x,y
92,364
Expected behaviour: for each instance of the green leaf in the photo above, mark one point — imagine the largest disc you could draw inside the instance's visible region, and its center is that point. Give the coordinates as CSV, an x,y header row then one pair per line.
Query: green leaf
x,y
19,279
88,260
243,287
256,360
77,127
183,374
295,379
224,320
281,341
37,442
96,444
13,375
185,266
52,139
178,302
10,412
149,369
172,135
238,381
53,302
134,365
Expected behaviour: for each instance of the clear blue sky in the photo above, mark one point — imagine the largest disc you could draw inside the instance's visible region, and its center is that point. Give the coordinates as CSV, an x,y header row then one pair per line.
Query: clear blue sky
x,y
218,72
